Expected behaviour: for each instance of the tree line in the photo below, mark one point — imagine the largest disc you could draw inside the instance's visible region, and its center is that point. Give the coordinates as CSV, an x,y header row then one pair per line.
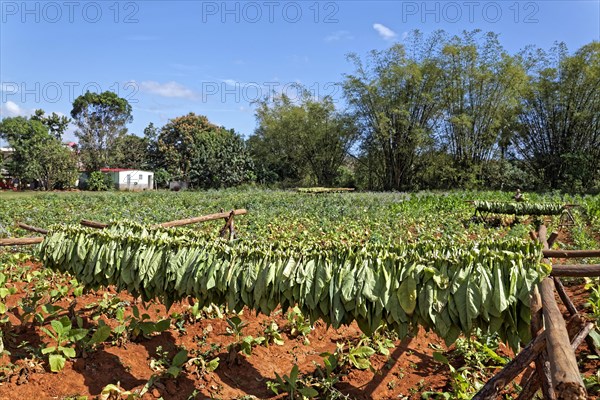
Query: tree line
x,y
439,112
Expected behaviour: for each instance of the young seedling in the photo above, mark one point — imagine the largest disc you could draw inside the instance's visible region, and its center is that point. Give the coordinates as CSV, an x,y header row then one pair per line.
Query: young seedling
x,y
64,335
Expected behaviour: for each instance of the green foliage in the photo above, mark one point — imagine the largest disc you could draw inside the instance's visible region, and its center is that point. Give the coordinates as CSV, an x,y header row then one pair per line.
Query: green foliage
x,y
478,358
177,140
241,344
130,151
39,158
166,365
301,139
272,335
392,95
519,208
63,335
298,325
558,134
56,124
355,356
479,95
99,182
136,326
100,119
162,178
292,385
482,284
221,160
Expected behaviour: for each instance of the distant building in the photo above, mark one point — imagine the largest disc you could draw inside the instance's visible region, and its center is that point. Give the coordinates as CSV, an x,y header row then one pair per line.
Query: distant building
x,y
130,179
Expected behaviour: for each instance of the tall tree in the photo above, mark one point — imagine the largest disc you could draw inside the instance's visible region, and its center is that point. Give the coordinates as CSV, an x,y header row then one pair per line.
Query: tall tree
x,y
559,126
153,154
306,136
131,151
221,160
480,97
393,95
100,119
56,124
177,143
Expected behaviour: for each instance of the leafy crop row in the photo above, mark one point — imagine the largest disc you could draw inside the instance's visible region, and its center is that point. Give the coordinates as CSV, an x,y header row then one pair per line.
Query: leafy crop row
x,y
519,208
437,284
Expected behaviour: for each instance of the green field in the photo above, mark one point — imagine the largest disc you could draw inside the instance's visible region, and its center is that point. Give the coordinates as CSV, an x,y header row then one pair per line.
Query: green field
x,y
280,215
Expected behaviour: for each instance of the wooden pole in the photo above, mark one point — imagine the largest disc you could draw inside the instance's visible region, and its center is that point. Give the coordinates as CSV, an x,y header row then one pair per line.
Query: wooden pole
x,y
541,362
542,365
578,329
93,224
32,228
586,270
566,379
203,218
571,253
521,361
21,241
552,239
513,368
564,297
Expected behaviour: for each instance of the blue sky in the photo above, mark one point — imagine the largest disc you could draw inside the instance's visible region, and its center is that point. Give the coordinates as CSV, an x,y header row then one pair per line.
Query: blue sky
x,y
214,58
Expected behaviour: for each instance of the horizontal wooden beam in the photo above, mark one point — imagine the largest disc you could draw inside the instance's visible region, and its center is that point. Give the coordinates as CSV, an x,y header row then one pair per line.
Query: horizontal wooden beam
x,y
203,218
571,253
93,224
21,241
32,228
581,270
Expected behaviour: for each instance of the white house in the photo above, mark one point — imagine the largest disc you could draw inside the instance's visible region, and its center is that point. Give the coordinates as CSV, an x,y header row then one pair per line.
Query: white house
x,y
130,179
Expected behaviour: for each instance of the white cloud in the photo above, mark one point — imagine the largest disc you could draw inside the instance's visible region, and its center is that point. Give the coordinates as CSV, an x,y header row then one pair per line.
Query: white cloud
x,y
12,109
338,36
385,32
168,89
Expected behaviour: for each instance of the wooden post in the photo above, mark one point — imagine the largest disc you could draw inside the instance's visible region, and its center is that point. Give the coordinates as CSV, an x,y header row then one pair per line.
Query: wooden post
x,y
541,362
542,365
552,239
228,227
20,241
566,379
564,297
